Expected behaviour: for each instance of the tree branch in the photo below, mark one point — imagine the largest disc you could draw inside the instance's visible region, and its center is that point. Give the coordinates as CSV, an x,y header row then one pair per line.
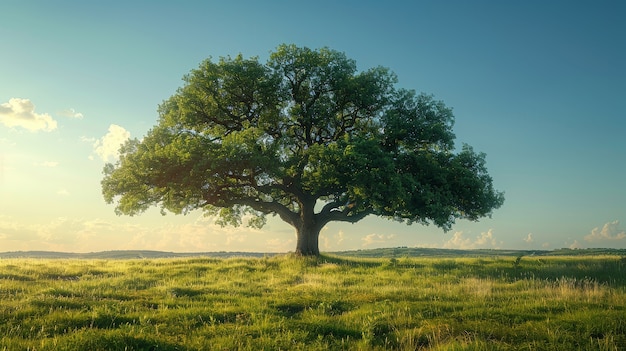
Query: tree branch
x,y
265,207
342,216
329,207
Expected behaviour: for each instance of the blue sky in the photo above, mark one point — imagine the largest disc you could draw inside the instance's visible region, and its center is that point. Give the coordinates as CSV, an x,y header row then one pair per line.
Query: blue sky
x,y
539,86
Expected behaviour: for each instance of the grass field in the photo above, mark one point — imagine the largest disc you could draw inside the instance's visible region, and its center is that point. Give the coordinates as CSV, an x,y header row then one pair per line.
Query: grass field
x,y
329,303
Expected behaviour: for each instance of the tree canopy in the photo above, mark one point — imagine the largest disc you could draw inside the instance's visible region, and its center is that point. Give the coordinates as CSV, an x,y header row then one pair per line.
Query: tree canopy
x,y
307,137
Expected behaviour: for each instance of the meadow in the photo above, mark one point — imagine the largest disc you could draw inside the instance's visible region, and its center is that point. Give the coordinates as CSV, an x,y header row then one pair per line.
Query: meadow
x,y
332,302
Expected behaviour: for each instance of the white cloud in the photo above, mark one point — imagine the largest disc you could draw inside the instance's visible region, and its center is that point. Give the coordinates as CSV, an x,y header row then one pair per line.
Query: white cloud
x,y
21,113
609,232
108,146
87,139
340,237
374,238
575,245
279,245
458,241
235,238
71,113
331,242
485,240
529,238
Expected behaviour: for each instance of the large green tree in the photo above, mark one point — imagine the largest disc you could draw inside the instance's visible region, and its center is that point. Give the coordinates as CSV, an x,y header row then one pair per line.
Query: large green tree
x,y
307,137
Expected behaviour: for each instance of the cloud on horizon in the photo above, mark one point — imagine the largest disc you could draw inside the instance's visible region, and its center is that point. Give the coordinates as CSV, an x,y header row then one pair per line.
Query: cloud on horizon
x,y
610,232
332,242
21,113
89,235
575,245
485,240
529,238
373,239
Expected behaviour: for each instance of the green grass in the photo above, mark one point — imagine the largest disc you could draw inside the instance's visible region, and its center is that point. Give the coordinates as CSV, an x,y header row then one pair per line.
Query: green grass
x,y
330,303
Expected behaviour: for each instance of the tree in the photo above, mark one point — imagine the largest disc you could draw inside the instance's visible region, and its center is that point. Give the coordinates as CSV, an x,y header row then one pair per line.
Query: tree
x,y
306,137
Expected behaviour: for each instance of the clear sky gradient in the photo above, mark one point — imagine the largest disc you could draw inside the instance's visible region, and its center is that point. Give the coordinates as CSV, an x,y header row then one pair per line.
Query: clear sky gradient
x,y
539,86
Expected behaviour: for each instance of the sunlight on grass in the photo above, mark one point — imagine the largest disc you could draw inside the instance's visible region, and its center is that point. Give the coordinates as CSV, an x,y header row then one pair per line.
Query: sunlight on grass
x,y
332,302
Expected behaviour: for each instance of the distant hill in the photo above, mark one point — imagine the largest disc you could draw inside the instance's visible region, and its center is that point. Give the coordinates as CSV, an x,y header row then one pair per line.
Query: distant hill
x,y
371,253
430,252
123,254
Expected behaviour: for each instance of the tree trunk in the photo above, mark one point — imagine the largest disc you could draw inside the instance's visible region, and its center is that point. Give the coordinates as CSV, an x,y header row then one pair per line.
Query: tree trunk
x,y
308,239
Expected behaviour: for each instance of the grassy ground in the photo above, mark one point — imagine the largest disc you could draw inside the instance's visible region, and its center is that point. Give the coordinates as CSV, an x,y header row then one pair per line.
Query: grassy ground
x,y
331,303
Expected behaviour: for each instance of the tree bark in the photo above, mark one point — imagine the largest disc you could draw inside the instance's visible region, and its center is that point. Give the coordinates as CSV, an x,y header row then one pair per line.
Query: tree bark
x,y
308,240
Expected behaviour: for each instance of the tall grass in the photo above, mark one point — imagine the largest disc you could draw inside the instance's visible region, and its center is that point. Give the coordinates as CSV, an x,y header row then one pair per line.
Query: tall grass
x,y
291,303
